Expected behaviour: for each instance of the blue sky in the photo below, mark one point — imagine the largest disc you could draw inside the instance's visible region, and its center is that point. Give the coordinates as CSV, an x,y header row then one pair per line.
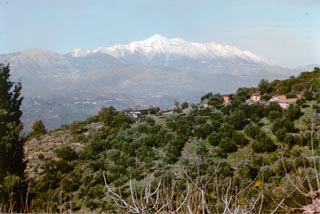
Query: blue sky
x,y
286,32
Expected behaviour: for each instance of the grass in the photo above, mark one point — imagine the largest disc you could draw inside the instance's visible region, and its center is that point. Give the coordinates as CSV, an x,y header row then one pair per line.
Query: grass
x,y
264,121
242,154
307,113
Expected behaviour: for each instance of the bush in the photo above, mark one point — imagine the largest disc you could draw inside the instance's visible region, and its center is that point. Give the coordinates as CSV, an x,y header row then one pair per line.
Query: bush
x,y
274,115
293,112
243,94
184,105
281,134
263,144
252,130
38,129
291,140
283,123
238,120
66,153
240,139
76,128
228,146
308,95
202,131
273,107
206,97
266,97
120,119
154,110
201,149
106,115
214,138
216,101
246,172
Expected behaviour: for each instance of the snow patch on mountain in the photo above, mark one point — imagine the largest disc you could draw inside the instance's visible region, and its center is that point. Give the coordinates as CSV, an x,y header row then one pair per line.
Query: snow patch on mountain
x,y
79,52
160,45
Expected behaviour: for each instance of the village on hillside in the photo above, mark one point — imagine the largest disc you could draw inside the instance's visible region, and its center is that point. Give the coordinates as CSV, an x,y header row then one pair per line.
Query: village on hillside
x,y
255,97
226,99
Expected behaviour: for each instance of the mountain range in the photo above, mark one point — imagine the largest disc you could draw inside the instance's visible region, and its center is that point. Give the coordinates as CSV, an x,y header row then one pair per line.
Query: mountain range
x,y
60,88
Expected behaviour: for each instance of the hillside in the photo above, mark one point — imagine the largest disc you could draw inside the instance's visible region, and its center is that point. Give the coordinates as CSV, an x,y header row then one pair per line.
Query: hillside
x,y
244,155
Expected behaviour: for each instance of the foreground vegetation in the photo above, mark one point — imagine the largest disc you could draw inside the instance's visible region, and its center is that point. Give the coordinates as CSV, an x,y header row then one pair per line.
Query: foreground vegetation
x,y
213,157
12,185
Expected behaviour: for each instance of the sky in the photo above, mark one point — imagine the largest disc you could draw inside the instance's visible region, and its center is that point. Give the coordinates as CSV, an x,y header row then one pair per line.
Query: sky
x,y
286,32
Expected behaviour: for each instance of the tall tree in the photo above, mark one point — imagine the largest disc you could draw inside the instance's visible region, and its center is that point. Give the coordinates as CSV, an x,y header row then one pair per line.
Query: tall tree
x,y
263,86
38,129
11,145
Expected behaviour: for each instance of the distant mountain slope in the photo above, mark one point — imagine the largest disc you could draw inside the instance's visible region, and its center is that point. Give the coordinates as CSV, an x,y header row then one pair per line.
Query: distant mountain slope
x,y
148,72
306,67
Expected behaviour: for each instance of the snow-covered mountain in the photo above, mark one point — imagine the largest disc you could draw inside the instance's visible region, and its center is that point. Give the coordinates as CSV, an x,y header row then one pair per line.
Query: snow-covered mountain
x,y
160,46
155,71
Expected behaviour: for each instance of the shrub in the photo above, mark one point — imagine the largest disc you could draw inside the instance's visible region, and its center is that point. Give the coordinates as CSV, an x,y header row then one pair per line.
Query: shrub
x,y
184,105
263,143
214,138
281,134
66,153
293,112
266,97
106,115
240,139
252,130
228,146
38,129
238,120
283,123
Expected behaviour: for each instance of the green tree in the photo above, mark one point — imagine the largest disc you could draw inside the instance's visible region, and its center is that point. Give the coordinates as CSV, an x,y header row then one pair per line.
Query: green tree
x,y
66,153
242,95
266,97
308,95
238,119
38,129
11,144
185,105
263,143
293,112
263,86
216,101
227,145
207,96
107,114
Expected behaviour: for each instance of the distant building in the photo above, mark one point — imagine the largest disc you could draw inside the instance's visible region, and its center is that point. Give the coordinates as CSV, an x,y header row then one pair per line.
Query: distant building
x,y
136,112
255,97
226,98
283,101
